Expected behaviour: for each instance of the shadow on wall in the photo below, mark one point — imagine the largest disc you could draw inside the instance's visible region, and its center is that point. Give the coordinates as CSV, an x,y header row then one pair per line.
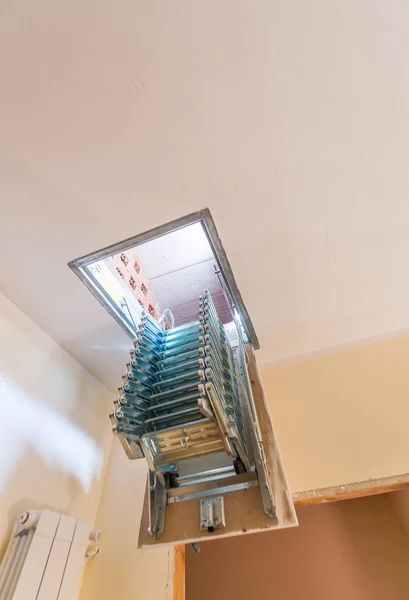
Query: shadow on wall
x,y
32,433
27,423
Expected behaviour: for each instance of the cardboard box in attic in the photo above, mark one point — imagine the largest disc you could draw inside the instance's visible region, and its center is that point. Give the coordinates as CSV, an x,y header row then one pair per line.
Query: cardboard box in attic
x,y
131,271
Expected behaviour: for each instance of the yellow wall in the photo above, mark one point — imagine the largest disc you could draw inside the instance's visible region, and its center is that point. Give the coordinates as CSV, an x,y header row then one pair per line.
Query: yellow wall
x,y
343,417
121,571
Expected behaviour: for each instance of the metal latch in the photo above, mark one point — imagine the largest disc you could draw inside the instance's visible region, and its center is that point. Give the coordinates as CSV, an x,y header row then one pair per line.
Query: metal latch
x,y
212,513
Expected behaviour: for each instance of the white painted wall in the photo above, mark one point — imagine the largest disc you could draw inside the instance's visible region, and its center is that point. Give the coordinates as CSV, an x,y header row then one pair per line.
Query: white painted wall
x,y
55,441
55,437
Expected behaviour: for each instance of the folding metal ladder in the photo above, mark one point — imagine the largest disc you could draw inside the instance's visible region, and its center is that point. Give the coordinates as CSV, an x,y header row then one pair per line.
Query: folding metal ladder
x,y
186,405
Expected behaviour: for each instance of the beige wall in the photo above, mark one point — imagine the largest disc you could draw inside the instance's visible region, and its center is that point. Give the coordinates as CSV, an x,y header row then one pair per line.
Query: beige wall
x,y
54,434
120,570
343,417
55,442
357,549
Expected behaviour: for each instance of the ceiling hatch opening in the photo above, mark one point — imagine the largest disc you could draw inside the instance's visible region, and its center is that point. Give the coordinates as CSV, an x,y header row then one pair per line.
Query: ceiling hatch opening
x,y
191,402
163,272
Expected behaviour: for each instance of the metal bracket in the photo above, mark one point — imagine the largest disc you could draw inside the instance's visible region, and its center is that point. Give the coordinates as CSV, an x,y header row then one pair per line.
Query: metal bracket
x,y
157,506
212,513
212,488
132,449
92,552
266,488
170,468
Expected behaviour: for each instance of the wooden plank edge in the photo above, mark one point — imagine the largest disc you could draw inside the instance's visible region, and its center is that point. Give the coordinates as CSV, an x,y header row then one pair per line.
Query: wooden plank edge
x,y
283,498
370,487
179,573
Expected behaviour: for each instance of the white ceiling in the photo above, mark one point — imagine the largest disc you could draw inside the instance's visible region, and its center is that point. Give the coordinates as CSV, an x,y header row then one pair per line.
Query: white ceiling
x,y
289,120
181,266
174,251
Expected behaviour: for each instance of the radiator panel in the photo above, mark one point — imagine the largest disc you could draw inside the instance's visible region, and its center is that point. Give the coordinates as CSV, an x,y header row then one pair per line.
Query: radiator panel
x,y
45,557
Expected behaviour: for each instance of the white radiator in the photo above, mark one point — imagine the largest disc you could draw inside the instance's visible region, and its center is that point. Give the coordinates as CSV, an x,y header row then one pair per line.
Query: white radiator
x,y
45,557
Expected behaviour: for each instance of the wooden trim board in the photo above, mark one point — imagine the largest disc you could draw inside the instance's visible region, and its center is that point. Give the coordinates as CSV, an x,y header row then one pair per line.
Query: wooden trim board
x,y
244,508
179,573
282,495
370,487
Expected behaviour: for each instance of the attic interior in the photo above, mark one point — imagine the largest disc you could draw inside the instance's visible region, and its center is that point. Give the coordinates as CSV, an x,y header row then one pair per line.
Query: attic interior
x,y
169,272
204,323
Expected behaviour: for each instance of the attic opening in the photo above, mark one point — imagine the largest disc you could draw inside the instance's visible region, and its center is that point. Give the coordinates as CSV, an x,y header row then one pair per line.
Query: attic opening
x,y
163,272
